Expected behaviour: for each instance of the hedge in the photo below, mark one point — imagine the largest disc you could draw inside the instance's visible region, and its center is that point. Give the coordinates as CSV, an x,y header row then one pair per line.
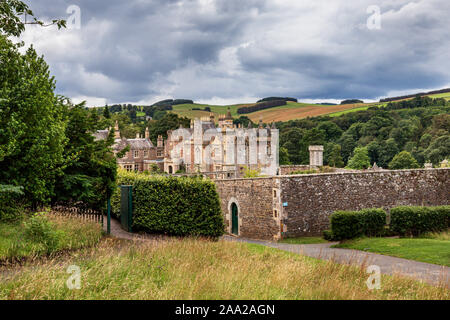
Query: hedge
x,y
174,206
414,221
352,224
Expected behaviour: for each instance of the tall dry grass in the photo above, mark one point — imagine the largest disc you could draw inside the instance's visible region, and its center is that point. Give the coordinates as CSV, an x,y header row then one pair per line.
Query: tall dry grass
x,y
195,269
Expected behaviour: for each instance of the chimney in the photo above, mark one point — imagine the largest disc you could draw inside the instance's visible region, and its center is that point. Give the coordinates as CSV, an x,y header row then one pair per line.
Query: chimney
x,y
160,142
116,130
147,133
316,156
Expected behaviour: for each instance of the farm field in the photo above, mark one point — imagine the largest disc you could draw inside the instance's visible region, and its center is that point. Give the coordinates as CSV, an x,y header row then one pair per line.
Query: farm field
x,y
291,111
204,270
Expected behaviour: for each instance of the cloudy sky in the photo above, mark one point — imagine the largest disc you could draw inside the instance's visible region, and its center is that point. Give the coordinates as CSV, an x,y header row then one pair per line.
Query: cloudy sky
x,y
228,51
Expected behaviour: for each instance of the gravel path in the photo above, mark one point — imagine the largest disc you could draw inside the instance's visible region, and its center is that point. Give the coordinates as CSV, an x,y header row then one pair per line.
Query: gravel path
x,y
430,273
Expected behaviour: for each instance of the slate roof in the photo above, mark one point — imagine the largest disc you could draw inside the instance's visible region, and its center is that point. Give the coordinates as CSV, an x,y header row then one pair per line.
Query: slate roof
x,y
135,144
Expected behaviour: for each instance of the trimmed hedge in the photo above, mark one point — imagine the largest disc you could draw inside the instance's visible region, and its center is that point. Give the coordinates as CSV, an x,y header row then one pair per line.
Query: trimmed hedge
x,y
414,221
352,224
174,206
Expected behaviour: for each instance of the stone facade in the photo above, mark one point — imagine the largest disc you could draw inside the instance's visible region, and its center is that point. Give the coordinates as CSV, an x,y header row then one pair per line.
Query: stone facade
x,y
300,205
228,149
142,154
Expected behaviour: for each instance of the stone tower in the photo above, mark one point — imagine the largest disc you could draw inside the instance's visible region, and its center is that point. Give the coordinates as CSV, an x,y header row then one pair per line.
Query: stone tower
x,y
316,156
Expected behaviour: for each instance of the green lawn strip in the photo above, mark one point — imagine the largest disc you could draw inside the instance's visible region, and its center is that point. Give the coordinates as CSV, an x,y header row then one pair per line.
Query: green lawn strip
x,y
424,250
304,240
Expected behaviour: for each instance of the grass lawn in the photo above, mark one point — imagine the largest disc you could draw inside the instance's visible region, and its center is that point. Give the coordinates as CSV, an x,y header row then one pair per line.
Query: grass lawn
x,y
304,240
73,234
426,250
197,269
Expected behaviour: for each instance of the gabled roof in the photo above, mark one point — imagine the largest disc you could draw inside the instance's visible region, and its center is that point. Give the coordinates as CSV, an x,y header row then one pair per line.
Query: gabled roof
x,y
135,144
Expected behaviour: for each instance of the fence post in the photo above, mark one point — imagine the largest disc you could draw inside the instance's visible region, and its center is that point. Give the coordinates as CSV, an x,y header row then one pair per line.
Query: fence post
x,y
108,218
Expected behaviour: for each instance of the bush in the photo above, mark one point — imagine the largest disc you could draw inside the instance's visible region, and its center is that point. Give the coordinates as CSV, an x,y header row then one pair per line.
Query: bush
x,y
40,230
10,208
175,206
328,235
414,221
352,224
346,225
403,160
373,221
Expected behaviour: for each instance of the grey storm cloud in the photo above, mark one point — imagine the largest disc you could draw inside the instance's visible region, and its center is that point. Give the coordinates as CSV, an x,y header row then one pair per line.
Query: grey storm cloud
x,y
136,50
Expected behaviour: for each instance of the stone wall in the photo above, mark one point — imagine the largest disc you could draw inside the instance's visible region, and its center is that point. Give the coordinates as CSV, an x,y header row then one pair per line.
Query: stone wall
x,y
311,199
301,205
254,199
289,169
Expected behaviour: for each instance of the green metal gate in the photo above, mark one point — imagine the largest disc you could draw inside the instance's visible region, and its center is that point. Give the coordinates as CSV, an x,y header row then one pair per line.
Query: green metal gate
x,y
126,207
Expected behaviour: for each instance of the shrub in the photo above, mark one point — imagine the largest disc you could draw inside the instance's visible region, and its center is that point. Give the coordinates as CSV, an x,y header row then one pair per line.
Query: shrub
x,y
352,224
328,235
414,221
40,230
346,225
10,208
373,221
174,206
403,160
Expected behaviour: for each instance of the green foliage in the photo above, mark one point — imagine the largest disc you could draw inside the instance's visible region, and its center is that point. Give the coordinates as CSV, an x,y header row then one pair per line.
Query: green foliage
x,y
334,158
420,126
251,173
284,156
360,159
11,12
352,224
174,206
345,225
40,230
91,169
170,121
10,208
414,221
32,123
403,160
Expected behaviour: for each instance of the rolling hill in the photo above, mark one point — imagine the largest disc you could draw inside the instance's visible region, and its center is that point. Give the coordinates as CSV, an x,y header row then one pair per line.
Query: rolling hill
x,y
291,111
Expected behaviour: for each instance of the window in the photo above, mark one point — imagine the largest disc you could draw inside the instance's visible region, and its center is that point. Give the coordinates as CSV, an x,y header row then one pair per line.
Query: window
x,y
274,193
136,167
128,167
275,213
136,153
145,153
159,153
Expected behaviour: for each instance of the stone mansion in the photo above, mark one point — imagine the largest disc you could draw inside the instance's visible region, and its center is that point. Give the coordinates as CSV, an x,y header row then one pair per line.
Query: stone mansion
x,y
222,151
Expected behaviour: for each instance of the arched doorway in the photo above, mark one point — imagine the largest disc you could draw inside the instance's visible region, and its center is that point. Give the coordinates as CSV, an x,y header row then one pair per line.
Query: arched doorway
x,y
170,170
234,219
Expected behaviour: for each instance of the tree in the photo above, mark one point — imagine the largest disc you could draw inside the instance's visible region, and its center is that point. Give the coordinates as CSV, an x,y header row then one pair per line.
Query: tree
x,y
106,113
335,158
32,123
90,171
403,160
11,12
360,159
284,156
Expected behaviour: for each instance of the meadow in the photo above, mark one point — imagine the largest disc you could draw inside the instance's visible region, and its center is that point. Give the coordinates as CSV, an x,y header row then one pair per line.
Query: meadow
x,y
200,269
